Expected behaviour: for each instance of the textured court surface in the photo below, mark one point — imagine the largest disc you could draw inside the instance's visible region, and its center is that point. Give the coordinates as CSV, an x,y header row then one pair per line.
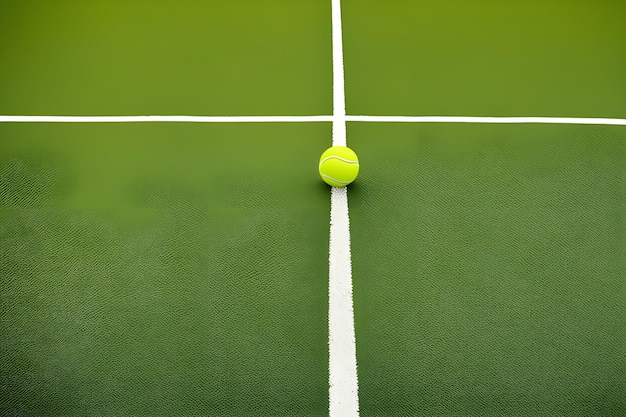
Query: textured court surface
x,y
182,269
497,282
149,270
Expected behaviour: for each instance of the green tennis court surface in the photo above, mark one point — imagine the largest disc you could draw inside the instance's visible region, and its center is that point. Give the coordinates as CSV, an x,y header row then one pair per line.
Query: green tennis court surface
x,y
496,282
163,57
182,268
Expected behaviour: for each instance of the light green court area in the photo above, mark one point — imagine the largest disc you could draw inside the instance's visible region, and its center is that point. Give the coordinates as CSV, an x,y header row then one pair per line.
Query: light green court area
x,y
485,57
159,269
193,57
489,269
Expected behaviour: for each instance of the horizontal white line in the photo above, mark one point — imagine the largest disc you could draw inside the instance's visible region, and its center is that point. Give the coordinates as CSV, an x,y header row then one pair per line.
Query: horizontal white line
x,y
186,119
317,118
472,119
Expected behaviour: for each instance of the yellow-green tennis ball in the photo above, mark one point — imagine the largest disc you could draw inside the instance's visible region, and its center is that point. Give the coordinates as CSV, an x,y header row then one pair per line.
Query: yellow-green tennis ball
x,y
339,166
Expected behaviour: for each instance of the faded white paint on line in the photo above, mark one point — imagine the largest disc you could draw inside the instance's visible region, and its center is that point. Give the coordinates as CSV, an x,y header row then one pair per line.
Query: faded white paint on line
x,y
184,119
488,119
343,395
343,392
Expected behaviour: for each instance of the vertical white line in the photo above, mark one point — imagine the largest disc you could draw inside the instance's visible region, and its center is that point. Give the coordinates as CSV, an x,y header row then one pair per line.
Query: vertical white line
x,y
343,394
343,382
339,96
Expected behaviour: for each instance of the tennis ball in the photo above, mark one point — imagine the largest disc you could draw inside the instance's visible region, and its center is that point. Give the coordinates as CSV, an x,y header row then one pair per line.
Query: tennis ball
x,y
339,166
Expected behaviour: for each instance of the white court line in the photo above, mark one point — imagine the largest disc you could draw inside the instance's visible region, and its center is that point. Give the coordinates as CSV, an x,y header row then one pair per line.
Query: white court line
x,y
343,381
339,95
338,127
487,119
343,395
185,119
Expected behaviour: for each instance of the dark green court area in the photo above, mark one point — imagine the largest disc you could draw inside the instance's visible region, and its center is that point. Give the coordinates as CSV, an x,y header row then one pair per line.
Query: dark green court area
x,y
163,270
496,283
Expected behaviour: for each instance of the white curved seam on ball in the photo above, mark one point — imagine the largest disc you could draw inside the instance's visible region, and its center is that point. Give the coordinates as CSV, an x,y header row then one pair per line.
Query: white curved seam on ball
x,y
335,179
349,161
